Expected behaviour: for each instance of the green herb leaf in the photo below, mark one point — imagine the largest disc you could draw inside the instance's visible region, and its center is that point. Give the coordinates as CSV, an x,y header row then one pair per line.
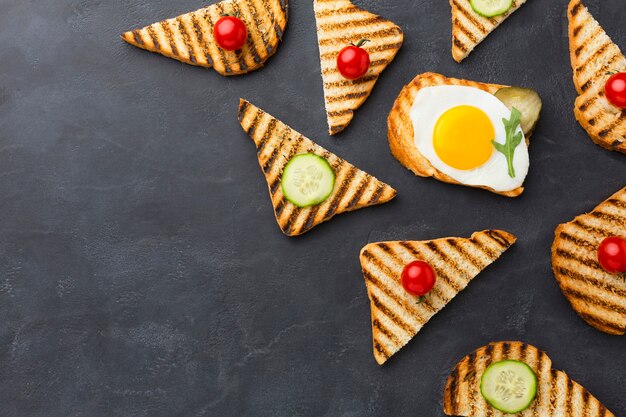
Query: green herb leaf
x,y
513,139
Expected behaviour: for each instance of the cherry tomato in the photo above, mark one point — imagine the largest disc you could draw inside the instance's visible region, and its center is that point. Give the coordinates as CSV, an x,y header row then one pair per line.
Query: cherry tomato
x,y
353,61
230,33
615,89
612,254
418,278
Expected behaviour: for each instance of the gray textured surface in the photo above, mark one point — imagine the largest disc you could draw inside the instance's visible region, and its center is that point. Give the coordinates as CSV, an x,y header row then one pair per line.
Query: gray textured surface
x,y
141,269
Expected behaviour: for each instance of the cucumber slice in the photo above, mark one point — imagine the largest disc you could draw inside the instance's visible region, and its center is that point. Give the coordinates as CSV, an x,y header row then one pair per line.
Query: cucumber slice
x,y
307,180
491,8
525,100
509,386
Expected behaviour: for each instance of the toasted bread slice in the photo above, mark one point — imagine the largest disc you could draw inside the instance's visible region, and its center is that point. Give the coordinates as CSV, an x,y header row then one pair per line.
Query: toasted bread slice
x,y
340,23
400,128
557,394
597,296
276,144
396,315
469,28
189,37
594,56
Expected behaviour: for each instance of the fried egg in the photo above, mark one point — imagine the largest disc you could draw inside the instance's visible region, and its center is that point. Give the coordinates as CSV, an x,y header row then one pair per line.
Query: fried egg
x,y
453,128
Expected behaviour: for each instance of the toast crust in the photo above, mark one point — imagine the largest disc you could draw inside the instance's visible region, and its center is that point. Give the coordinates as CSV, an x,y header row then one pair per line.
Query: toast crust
x,y
401,135
276,144
396,315
340,23
469,28
189,37
598,297
593,56
557,394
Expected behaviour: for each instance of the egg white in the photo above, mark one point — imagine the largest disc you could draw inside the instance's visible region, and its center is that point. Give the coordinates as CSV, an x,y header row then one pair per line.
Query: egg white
x,y
432,102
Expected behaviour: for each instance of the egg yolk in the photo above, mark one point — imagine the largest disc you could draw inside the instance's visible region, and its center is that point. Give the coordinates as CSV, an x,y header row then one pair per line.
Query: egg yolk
x,y
462,137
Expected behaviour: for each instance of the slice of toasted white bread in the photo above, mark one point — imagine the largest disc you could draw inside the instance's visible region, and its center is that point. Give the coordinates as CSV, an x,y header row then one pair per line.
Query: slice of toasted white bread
x,y
594,56
189,37
469,28
597,296
340,23
557,394
396,315
276,144
400,128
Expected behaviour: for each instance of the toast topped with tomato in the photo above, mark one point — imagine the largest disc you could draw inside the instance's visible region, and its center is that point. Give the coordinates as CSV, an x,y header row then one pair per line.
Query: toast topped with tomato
x,y
191,37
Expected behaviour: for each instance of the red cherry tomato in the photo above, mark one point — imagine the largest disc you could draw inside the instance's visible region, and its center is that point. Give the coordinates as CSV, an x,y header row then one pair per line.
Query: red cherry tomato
x,y
418,278
230,33
615,89
353,61
612,254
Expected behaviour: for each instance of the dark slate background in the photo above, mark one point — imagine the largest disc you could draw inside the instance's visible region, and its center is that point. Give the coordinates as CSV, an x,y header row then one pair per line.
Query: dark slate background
x,y
142,272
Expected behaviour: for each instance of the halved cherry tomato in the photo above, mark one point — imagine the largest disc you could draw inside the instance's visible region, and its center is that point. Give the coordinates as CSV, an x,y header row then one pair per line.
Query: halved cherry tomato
x,y
615,89
418,278
230,33
612,255
353,61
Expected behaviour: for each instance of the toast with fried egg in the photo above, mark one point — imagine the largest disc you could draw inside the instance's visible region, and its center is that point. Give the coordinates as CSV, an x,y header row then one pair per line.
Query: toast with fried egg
x,y
189,38
340,23
277,144
597,296
594,56
401,130
470,28
557,394
396,315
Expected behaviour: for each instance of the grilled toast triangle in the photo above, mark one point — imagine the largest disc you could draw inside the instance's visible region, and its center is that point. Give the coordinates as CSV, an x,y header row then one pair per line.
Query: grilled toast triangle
x,y
598,297
469,28
557,394
189,37
397,316
340,23
594,56
276,144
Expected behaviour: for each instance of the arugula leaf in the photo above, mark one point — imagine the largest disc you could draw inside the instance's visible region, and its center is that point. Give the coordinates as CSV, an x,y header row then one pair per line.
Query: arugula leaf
x,y
513,139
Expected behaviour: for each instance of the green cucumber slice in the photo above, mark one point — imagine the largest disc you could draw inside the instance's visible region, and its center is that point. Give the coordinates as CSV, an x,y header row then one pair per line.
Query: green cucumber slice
x,y
307,180
509,386
525,100
491,8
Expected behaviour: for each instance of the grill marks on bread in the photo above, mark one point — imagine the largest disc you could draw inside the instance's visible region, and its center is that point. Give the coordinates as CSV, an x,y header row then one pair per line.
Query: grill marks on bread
x,y
593,55
276,144
396,318
340,23
557,394
469,28
189,37
597,296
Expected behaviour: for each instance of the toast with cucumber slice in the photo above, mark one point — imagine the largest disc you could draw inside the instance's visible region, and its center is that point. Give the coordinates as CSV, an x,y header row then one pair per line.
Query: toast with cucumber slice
x,y
308,185
339,24
397,315
598,296
515,378
189,38
474,20
594,57
400,130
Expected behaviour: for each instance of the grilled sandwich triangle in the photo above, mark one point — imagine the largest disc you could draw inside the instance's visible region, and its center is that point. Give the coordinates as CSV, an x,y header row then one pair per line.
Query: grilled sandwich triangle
x,y
189,37
276,144
598,297
594,56
397,316
557,394
469,28
340,23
